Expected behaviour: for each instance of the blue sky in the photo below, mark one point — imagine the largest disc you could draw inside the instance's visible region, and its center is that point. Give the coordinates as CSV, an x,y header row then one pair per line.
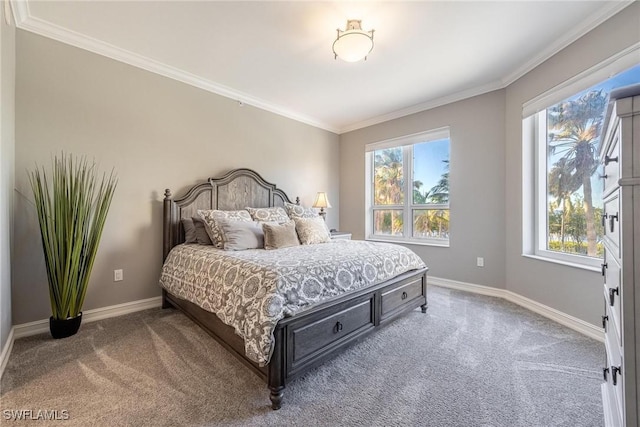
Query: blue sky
x,y
428,162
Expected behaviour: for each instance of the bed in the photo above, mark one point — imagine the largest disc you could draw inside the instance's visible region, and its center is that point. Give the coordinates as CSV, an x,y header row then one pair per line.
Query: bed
x,y
301,336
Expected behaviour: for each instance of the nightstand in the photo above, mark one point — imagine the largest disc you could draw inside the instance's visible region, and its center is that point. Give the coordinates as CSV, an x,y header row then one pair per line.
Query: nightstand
x,y
340,235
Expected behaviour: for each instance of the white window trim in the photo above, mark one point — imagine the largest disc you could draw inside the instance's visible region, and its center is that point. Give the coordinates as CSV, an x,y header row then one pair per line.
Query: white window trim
x,y
534,201
408,206
535,246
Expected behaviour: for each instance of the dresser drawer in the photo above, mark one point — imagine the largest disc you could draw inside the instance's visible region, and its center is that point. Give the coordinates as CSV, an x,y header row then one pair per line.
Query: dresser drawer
x,y
319,336
611,164
612,292
613,411
613,372
611,221
395,300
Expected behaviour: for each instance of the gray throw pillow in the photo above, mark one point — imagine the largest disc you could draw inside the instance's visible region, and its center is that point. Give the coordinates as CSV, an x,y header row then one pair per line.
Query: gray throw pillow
x,y
189,231
201,232
278,236
241,235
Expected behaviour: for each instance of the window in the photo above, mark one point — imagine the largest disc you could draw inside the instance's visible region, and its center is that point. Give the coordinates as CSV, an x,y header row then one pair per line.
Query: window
x,y
567,195
408,192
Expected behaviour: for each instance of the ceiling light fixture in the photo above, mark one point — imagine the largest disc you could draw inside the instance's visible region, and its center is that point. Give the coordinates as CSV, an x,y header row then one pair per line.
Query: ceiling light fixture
x,y
353,43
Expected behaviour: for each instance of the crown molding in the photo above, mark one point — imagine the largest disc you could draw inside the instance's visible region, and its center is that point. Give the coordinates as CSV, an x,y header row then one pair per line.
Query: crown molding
x,y
20,10
609,10
428,105
64,35
25,21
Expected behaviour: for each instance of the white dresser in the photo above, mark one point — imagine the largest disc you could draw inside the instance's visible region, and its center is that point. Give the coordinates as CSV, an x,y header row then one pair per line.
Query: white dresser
x,y
620,155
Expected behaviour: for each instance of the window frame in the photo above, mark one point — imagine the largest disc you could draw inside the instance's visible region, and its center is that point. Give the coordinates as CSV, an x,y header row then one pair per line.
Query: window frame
x,y
534,158
408,207
541,219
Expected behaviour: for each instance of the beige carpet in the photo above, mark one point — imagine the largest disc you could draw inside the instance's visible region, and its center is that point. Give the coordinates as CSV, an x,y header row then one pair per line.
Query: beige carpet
x,y
476,361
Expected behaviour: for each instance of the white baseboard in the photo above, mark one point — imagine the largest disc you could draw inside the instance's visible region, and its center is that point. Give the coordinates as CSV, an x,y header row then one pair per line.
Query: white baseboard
x,y
564,319
6,351
40,326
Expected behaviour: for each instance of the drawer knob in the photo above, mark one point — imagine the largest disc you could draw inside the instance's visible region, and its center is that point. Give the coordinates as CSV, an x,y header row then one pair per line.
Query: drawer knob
x,y
612,295
611,219
615,371
604,267
404,295
608,160
605,372
337,328
605,176
604,322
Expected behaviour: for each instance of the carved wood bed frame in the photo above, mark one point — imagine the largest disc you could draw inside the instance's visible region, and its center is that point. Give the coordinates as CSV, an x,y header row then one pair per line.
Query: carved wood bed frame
x,y
307,339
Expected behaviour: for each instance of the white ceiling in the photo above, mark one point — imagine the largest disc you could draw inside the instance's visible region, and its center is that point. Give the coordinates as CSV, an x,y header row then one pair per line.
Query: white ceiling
x,y
277,55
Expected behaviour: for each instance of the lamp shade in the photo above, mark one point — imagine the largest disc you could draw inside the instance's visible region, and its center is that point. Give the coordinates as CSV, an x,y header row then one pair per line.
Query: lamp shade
x,y
353,44
321,201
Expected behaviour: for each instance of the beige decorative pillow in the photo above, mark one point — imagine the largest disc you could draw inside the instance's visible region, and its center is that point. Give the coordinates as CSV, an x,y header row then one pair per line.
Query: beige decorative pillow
x,y
278,236
274,214
312,230
297,211
213,229
241,235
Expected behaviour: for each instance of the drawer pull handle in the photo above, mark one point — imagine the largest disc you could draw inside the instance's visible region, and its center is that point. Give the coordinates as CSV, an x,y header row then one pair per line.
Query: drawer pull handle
x,y
404,295
611,219
605,372
608,160
605,176
612,295
337,328
604,268
604,322
603,218
615,371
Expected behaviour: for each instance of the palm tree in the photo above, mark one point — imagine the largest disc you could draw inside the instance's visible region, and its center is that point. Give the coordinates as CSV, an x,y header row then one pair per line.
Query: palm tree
x,y
562,184
575,132
439,193
388,187
418,197
389,177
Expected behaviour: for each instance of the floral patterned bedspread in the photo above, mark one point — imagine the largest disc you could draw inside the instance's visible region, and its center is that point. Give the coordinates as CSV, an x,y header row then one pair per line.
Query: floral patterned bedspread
x,y
252,290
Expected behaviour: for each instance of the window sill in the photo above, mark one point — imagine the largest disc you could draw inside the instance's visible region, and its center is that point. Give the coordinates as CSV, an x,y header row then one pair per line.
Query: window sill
x,y
565,263
409,242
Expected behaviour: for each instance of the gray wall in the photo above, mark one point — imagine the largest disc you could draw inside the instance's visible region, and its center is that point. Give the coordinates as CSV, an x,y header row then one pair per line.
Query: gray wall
x,y
477,184
7,139
156,133
573,291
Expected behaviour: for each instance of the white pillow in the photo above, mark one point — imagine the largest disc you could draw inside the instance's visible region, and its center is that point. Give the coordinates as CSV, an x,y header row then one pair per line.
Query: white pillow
x,y
241,235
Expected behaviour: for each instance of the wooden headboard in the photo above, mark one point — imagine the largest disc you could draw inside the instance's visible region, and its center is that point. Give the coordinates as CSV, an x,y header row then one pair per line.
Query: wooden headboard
x,y
236,190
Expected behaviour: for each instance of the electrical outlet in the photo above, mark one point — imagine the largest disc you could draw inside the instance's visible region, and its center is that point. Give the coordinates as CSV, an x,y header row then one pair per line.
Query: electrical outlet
x,y
480,262
118,275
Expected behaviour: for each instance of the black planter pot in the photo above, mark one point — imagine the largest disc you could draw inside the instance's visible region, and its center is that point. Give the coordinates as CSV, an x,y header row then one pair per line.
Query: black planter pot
x,y
63,328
